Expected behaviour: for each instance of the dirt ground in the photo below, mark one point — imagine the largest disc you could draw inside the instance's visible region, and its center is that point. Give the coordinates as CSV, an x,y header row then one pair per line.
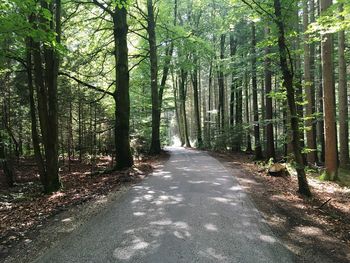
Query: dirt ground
x,y
31,221
314,229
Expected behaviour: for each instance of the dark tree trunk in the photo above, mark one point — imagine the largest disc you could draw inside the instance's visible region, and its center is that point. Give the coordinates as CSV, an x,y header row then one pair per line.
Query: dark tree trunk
x,y
239,116
5,163
247,112
257,146
343,101
331,157
46,63
287,74
270,146
310,91
121,95
196,102
233,80
210,88
221,106
182,87
151,30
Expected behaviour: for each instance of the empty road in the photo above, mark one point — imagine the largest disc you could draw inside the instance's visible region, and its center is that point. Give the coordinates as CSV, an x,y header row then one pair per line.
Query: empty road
x,y
190,210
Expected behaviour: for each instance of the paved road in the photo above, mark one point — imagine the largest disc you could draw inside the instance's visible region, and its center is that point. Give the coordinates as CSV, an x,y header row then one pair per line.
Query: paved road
x,y
190,210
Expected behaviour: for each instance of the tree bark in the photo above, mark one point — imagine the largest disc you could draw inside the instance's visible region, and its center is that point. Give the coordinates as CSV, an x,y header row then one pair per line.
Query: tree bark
x,y
343,100
270,146
310,91
182,87
221,105
196,101
287,74
46,64
152,40
233,79
331,162
247,113
257,146
121,95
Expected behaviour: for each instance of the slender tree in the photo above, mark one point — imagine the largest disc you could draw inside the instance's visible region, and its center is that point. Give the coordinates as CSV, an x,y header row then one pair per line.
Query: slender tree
x,y
257,146
270,146
343,100
331,157
309,89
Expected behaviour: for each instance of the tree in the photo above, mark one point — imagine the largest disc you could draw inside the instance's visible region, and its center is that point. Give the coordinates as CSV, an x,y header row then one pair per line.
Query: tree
x,y
121,94
331,155
45,72
257,147
343,99
270,146
309,89
151,29
286,66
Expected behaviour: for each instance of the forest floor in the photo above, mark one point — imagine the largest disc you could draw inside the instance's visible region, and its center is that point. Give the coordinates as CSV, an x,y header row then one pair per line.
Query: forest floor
x,y
27,215
314,229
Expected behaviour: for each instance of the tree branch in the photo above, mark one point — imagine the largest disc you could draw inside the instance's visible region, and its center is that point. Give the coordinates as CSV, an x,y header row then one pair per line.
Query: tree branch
x,y
87,84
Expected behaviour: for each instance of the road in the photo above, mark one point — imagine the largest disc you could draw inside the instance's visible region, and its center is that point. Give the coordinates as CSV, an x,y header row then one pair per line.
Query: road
x,y
190,210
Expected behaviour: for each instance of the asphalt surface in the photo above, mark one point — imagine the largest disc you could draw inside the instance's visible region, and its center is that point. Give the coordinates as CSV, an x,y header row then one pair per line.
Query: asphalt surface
x,y
191,210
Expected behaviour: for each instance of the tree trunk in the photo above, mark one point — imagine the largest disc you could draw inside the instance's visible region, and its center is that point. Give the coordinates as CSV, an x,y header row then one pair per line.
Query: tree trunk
x,y
257,146
46,64
233,80
121,95
151,30
270,146
5,163
287,74
221,105
210,97
239,116
331,162
310,91
182,87
343,100
247,112
196,102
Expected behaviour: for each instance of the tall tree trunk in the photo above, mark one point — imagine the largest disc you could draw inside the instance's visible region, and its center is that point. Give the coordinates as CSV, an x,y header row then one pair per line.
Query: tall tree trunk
x,y
210,97
177,109
151,30
221,105
182,87
343,100
257,146
287,74
70,133
121,95
239,116
80,129
247,112
233,79
320,123
310,91
270,146
331,161
34,129
196,101
46,63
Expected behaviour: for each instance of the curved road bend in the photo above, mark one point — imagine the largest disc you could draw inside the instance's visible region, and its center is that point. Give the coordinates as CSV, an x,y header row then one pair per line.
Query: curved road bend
x,y
190,210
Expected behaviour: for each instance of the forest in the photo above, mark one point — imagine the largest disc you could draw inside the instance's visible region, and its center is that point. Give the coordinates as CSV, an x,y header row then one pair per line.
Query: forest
x,y
117,80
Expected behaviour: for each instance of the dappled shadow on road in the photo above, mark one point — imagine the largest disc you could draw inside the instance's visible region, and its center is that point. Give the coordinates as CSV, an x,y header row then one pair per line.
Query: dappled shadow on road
x,y
192,210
